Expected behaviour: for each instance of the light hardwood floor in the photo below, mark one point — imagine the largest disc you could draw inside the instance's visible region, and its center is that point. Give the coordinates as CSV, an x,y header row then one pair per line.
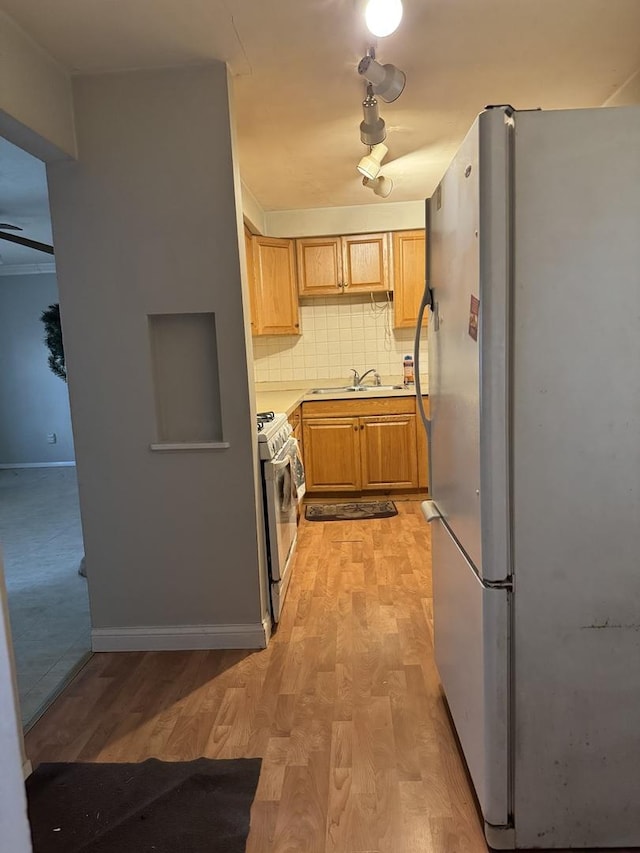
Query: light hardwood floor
x,y
345,705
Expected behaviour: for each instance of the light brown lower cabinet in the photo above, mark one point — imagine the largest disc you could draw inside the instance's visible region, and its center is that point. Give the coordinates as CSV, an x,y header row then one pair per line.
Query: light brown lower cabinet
x,y
349,447
388,452
331,454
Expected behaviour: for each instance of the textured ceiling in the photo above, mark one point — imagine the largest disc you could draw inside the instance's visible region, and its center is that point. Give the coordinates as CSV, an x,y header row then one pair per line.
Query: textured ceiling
x,y
297,92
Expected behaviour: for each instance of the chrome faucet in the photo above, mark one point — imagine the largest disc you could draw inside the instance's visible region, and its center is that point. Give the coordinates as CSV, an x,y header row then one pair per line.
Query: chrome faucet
x,y
357,379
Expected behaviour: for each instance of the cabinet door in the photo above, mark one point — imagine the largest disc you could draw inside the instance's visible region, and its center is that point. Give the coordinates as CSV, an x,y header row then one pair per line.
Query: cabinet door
x,y
388,452
408,277
248,246
319,266
332,454
365,262
276,294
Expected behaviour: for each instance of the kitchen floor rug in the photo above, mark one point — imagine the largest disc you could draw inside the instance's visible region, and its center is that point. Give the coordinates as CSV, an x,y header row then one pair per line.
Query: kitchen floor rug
x,y
197,806
359,511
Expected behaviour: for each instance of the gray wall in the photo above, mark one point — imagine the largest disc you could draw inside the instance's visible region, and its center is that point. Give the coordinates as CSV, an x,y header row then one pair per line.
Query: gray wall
x,y
33,402
35,96
146,222
13,806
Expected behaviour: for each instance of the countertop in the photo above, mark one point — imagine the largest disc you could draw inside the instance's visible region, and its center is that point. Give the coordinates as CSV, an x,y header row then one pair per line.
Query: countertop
x,y
286,396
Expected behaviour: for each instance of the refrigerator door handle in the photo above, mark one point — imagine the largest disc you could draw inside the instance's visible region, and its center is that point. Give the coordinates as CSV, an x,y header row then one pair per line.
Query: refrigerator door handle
x,y
427,302
430,510
416,356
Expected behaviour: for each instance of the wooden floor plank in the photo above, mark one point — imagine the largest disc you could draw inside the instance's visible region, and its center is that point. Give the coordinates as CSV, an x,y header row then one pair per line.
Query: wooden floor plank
x,y
344,707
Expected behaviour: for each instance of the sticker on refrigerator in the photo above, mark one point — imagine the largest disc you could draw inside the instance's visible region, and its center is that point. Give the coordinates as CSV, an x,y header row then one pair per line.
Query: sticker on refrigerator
x,y
473,317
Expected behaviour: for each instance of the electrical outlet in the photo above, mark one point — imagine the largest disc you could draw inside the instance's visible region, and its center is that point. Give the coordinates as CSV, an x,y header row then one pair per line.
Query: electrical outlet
x,y
52,438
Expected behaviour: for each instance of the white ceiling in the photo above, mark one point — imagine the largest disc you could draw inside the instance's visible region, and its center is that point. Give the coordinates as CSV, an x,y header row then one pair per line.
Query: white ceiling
x,y
297,91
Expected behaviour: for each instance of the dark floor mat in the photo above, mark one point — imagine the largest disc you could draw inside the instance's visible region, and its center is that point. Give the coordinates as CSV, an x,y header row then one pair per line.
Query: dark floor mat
x,y
197,806
350,511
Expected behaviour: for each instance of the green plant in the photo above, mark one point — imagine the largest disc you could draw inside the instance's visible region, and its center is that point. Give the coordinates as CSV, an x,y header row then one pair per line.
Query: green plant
x,y
53,340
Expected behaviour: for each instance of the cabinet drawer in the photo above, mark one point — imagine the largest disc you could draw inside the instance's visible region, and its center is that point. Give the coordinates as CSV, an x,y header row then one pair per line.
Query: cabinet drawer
x,y
358,407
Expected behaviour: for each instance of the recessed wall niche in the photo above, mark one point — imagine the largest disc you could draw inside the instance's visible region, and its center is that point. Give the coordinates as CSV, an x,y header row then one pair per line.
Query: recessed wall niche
x,y
184,358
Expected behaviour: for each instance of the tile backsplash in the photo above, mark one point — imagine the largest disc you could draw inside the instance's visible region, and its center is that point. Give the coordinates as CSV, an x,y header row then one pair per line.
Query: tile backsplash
x,y
338,333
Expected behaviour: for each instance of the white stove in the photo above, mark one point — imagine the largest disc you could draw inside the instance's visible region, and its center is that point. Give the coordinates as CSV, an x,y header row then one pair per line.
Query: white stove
x,y
282,488
274,430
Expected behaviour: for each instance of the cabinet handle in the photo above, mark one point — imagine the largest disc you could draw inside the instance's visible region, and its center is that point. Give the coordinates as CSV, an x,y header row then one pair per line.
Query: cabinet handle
x,y
355,429
361,426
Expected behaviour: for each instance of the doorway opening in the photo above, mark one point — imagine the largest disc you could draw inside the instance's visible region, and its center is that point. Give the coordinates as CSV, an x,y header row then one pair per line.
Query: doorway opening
x,y
40,527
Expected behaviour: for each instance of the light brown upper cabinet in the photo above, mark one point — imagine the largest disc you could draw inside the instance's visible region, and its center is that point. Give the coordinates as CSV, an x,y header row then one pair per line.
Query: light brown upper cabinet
x,y
274,307
248,246
330,265
319,265
365,261
409,276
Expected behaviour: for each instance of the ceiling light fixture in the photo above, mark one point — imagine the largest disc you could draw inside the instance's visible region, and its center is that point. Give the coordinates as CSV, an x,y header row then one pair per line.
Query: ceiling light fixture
x,y
387,80
371,163
372,129
383,16
381,186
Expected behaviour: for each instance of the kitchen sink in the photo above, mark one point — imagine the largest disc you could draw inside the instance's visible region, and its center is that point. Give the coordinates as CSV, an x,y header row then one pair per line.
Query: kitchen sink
x,y
381,388
355,388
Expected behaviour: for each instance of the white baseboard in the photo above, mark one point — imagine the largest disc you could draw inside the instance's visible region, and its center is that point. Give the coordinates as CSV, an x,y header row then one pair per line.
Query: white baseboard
x,y
39,465
27,769
179,638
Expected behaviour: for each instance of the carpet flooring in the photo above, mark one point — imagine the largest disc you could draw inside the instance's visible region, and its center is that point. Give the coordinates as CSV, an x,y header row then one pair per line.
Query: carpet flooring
x,y
41,541
200,806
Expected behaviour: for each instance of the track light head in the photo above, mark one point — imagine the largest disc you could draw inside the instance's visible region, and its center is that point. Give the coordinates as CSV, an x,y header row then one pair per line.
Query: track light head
x,y
386,80
372,129
371,163
381,186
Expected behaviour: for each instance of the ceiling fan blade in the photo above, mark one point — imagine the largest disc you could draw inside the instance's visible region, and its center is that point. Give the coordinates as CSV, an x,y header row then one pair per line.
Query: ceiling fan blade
x,y
31,244
8,227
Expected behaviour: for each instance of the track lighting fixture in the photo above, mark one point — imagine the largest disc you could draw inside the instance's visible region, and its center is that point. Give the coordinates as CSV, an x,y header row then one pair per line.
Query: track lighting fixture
x,y
386,80
372,129
371,163
381,186
383,16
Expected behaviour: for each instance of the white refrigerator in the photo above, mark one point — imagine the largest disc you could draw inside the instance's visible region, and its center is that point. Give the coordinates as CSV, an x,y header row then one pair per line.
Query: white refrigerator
x,y
533,295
